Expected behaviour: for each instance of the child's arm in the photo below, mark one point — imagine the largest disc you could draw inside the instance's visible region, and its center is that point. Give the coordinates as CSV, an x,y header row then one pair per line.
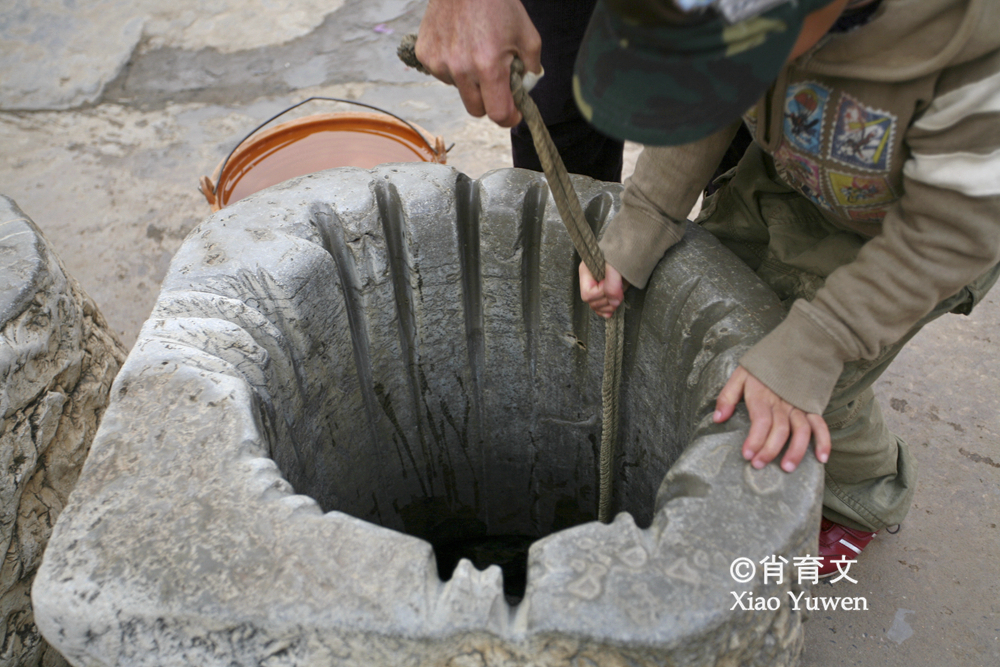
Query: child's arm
x,y
657,199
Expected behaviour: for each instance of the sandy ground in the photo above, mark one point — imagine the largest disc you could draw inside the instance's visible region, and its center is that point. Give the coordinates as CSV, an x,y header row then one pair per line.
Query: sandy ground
x,y
110,111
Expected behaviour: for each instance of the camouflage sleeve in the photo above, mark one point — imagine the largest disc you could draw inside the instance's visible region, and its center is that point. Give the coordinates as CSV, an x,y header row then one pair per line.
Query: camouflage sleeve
x,y
941,235
656,201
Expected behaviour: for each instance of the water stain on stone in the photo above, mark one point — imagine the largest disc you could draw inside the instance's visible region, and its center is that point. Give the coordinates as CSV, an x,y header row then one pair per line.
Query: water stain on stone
x,y
976,458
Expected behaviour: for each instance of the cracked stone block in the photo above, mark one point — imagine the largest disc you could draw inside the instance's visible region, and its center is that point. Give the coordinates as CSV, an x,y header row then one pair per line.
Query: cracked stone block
x,y
57,361
361,427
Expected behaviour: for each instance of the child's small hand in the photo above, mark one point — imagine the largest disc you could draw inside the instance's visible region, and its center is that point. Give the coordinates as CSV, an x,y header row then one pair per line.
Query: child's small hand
x,y
772,419
605,296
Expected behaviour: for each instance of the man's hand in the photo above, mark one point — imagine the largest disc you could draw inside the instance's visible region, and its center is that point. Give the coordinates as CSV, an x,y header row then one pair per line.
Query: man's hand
x,y
772,419
471,43
603,297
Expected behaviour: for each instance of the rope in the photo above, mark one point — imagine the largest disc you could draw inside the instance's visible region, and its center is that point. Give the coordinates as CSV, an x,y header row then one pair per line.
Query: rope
x,y
557,176
585,243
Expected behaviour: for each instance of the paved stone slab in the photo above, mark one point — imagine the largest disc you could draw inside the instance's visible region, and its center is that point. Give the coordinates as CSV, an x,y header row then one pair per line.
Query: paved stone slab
x,y
355,354
62,55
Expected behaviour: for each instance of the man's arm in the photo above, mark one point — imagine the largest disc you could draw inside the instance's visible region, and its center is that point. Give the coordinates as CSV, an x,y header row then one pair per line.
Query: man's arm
x,y
471,43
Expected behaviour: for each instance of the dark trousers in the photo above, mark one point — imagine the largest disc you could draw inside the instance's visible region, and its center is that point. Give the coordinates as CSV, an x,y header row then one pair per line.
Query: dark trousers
x,y
584,150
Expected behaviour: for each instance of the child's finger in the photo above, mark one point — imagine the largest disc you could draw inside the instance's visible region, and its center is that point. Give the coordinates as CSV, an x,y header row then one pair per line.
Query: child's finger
x,y
589,288
761,421
821,435
602,307
801,431
777,436
614,285
730,395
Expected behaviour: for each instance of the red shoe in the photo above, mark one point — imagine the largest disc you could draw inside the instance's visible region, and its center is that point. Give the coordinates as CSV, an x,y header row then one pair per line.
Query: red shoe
x,y
839,543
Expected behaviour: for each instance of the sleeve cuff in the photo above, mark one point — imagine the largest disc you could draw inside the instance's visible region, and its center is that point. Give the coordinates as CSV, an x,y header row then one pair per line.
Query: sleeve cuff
x,y
798,361
634,243
657,197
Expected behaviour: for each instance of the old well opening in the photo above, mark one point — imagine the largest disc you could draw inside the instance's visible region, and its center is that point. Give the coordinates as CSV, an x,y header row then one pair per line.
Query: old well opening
x,y
460,392
407,347
489,513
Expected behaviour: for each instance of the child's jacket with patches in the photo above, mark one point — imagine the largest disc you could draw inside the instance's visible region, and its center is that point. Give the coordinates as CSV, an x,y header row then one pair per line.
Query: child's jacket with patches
x,y
893,132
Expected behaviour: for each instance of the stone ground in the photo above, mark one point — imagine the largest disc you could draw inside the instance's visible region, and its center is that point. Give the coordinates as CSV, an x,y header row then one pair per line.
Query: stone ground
x,y
110,110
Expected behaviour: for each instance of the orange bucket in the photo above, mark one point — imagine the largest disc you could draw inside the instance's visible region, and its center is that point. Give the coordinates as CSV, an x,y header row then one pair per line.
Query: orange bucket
x,y
314,143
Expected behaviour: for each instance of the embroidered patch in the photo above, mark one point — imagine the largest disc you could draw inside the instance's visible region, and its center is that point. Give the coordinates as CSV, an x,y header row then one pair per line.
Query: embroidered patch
x,y
852,191
802,174
805,106
863,136
801,169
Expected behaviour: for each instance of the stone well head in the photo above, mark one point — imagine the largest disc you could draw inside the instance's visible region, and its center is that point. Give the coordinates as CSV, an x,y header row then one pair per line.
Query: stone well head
x,y
356,379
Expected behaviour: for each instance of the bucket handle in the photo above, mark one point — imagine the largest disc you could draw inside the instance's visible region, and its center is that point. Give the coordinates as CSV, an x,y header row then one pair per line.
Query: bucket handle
x,y
222,169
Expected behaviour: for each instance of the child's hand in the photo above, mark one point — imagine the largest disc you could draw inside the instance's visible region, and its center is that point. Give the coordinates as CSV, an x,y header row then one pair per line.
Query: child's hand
x,y
605,296
771,421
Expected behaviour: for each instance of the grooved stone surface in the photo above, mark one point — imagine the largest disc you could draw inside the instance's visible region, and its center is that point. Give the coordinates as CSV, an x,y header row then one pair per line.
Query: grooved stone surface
x,y
57,361
352,365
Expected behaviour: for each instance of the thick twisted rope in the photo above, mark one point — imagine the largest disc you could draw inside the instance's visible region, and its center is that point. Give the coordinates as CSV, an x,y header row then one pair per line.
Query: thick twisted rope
x,y
585,243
